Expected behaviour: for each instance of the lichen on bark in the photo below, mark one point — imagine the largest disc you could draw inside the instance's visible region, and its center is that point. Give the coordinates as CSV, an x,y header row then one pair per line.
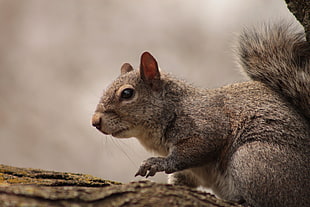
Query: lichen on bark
x,y
34,187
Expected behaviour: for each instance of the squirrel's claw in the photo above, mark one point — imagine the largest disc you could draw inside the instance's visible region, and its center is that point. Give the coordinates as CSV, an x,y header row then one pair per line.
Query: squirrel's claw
x,y
142,171
151,166
152,171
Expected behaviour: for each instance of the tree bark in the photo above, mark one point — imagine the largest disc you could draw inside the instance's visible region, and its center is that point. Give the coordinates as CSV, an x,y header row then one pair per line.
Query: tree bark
x,y
33,187
301,10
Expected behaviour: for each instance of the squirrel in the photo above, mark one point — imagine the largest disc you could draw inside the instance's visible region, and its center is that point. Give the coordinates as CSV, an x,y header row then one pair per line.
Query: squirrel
x,y
248,142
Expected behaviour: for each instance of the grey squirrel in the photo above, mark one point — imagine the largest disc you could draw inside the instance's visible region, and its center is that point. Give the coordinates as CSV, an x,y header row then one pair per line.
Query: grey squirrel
x,y
248,142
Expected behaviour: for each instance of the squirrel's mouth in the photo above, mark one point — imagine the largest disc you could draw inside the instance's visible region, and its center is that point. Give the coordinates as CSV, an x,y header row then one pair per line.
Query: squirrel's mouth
x,y
114,134
118,133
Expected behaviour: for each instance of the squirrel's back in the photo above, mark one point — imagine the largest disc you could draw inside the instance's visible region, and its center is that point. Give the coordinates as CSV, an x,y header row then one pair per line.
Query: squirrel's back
x,y
279,57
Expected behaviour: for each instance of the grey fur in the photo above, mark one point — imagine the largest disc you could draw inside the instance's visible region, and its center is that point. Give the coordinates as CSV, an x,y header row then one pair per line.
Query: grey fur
x,y
247,141
279,56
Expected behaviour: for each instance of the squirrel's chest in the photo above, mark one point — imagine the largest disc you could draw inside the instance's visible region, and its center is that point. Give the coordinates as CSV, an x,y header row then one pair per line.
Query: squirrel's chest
x,y
153,142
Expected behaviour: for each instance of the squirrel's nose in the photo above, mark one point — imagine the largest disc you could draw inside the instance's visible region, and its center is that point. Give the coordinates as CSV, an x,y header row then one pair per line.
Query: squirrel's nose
x,y
96,121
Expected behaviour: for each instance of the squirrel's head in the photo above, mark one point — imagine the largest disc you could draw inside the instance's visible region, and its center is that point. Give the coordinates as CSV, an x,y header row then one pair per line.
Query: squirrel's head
x,y
132,103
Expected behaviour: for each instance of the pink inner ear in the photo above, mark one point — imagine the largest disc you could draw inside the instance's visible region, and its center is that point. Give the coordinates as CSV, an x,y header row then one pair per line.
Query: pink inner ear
x,y
149,67
149,70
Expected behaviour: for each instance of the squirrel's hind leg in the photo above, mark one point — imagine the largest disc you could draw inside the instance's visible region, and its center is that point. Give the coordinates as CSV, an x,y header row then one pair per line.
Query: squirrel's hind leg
x,y
266,173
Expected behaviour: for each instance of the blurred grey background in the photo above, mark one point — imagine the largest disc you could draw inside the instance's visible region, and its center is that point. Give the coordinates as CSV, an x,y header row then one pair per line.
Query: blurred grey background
x,y
56,57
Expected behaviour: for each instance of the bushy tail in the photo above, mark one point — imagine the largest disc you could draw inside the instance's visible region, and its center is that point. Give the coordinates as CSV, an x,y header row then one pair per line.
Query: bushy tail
x,y
279,57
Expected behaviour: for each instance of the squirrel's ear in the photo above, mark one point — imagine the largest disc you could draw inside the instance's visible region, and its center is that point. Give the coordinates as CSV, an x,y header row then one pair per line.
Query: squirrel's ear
x,y
149,71
126,67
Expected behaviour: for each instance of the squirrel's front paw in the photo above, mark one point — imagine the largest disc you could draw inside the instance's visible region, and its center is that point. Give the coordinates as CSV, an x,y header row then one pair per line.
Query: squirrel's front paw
x,y
152,165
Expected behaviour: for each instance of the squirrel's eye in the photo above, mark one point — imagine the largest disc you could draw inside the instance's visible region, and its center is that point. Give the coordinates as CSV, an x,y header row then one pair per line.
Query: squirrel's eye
x,y
127,93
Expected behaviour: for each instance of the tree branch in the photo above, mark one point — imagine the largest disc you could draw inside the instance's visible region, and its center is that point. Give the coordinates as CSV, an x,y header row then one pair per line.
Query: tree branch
x,y
20,186
301,10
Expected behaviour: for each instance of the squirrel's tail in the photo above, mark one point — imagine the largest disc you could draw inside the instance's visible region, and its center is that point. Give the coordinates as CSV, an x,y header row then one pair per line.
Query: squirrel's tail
x,y
279,57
